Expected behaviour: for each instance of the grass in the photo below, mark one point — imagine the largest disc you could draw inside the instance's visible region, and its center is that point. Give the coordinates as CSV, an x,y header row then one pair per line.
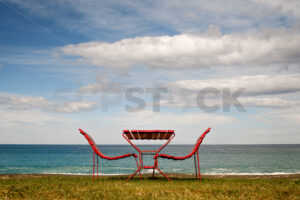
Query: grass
x,y
82,187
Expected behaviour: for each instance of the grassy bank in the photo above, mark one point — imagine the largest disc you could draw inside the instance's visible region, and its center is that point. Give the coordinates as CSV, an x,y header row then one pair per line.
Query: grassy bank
x,y
182,187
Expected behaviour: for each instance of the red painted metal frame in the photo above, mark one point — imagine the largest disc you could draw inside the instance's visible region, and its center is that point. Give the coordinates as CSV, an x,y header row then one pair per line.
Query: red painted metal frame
x,y
97,152
142,152
194,152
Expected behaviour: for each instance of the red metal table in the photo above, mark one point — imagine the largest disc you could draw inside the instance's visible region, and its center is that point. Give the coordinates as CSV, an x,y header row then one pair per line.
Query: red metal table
x,y
167,135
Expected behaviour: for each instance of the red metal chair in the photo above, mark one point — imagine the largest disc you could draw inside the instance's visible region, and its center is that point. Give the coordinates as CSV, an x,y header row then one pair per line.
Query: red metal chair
x,y
99,154
194,151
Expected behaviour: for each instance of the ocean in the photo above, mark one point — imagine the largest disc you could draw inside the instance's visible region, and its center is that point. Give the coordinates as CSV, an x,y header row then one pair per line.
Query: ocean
x,y
214,159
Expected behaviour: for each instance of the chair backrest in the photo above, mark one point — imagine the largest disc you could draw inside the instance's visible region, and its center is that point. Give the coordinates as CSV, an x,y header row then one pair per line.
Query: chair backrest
x,y
92,143
199,141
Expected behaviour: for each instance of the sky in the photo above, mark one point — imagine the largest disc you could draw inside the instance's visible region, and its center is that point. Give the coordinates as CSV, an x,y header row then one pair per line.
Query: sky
x,y
106,66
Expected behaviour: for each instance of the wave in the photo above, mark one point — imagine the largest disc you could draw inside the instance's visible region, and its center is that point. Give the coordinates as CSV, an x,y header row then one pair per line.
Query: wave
x,y
253,173
84,174
150,171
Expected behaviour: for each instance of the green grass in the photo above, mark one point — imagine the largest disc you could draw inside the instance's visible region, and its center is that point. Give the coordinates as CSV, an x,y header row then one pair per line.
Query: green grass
x,y
82,187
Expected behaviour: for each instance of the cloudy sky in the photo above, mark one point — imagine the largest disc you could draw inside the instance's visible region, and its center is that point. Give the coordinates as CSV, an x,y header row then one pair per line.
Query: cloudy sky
x,y
105,66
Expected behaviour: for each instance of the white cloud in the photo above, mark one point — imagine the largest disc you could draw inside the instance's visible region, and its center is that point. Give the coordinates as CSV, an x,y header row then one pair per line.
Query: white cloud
x,y
283,124
269,102
289,8
74,107
268,47
168,120
25,102
103,84
38,127
253,85
264,102
28,102
259,91
16,118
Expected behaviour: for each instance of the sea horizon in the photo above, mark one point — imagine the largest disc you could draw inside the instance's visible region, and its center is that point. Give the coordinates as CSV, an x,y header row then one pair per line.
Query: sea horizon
x,y
158,145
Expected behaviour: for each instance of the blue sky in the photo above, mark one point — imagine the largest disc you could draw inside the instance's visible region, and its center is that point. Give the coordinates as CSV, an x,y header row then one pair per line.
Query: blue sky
x,y
67,64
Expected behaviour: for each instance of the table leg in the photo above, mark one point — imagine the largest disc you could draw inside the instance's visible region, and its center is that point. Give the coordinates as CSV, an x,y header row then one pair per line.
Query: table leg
x,y
153,173
164,174
155,166
133,174
138,169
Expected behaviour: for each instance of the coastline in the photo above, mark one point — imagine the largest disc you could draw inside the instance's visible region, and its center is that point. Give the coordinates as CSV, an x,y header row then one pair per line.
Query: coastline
x,y
172,175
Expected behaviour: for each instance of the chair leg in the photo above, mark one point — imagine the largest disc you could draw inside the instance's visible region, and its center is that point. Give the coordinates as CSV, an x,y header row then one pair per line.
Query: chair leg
x,y
93,165
97,166
195,165
198,165
141,160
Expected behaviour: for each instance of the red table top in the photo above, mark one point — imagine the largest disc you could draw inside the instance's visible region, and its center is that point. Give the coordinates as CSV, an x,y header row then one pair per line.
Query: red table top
x,y
148,134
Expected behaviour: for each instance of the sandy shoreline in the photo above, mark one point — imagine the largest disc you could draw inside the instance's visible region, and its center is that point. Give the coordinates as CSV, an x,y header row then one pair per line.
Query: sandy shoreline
x,y
173,175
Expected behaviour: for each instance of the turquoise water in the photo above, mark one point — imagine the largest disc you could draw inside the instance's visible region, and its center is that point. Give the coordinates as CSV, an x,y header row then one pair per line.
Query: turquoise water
x,y
214,159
